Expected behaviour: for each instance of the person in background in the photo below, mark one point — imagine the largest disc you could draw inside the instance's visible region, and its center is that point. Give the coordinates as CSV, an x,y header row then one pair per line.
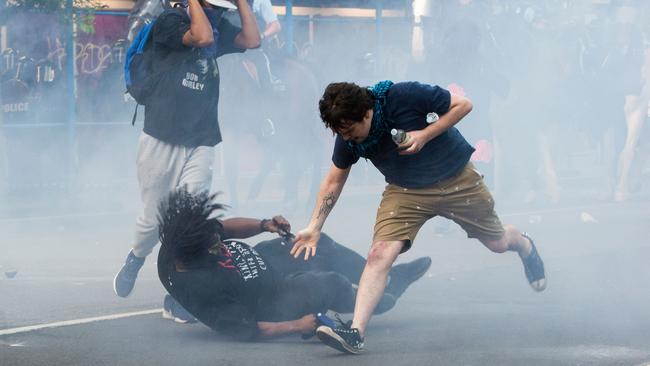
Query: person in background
x,y
270,28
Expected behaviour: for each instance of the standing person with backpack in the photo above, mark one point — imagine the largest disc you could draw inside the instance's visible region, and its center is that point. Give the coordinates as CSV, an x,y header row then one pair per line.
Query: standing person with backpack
x,y
181,94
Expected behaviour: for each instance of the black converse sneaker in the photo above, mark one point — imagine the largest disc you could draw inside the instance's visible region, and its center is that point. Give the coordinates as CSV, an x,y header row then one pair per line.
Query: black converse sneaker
x,y
342,338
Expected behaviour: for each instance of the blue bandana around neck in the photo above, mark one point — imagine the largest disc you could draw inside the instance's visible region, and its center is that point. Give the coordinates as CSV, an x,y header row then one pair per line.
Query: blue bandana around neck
x,y
214,16
378,126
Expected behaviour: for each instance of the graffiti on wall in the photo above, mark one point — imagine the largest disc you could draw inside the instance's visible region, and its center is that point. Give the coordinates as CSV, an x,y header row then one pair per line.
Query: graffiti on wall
x,y
92,58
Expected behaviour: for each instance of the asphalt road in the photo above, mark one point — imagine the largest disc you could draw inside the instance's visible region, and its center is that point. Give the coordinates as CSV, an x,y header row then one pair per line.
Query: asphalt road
x,y
473,308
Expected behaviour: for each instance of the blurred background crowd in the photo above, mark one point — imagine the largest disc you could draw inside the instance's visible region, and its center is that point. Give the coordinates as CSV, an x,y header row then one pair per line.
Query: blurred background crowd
x,y
561,92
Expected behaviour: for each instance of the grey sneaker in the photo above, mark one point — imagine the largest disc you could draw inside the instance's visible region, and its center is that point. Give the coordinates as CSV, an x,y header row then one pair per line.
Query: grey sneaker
x,y
172,310
125,279
386,303
342,338
403,275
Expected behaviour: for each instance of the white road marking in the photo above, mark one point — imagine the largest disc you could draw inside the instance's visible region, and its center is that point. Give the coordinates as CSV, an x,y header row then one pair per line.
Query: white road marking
x,y
68,216
9,344
67,323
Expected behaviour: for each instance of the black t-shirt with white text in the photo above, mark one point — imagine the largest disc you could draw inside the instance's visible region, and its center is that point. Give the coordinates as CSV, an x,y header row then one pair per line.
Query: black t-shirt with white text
x,y
226,291
183,109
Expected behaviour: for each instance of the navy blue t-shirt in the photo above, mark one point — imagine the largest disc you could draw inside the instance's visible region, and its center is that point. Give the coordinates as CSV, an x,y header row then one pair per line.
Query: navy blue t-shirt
x,y
407,105
183,109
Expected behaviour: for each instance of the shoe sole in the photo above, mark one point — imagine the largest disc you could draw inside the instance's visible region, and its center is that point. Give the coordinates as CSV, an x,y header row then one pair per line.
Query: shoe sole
x,y
166,314
331,339
543,281
542,287
169,316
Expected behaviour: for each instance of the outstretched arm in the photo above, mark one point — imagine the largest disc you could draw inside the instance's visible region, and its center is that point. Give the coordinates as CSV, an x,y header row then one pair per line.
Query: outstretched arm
x,y
330,190
306,324
272,29
270,19
242,227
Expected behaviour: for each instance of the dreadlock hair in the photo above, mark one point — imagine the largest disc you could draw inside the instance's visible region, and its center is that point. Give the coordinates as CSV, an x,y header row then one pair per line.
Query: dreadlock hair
x,y
343,104
185,226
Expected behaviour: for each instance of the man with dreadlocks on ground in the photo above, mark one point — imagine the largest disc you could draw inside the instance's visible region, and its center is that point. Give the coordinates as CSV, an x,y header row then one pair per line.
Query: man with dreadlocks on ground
x,y
428,174
259,292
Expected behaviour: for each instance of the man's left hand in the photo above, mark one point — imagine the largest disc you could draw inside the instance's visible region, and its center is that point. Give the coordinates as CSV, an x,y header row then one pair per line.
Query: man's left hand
x,y
307,325
414,143
278,224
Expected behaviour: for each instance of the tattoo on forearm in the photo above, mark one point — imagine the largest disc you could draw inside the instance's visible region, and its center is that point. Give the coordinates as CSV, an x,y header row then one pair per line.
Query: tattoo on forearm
x,y
328,204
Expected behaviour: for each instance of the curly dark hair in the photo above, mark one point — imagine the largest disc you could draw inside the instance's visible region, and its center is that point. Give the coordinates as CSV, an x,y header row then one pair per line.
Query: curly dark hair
x,y
187,226
344,104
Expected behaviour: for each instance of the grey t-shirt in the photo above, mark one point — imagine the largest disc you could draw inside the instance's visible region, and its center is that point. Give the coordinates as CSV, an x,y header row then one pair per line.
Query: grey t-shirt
x,y
264,10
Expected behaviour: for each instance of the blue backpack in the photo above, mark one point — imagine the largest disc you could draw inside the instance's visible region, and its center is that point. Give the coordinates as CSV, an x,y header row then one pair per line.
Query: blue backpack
x,y
138,73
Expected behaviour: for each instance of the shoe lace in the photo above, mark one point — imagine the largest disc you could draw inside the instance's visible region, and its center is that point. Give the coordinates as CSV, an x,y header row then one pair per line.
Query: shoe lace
x,y
342,324
131,260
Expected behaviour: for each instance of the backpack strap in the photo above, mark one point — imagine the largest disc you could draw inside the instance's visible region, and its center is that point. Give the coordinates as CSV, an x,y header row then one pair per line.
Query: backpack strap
x,y
135,114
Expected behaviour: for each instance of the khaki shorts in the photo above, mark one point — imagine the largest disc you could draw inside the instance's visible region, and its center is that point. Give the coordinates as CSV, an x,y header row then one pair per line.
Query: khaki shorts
x,y
463,198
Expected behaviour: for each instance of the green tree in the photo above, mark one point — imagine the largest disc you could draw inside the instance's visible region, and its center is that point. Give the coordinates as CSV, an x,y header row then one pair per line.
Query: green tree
x,y
83,14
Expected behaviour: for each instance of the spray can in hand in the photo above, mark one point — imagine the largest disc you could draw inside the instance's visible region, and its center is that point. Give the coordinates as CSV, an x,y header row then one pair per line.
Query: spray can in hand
x,y
399,136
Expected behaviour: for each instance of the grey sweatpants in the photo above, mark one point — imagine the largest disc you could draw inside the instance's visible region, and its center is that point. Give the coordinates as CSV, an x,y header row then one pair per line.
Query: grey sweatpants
x,y
163,167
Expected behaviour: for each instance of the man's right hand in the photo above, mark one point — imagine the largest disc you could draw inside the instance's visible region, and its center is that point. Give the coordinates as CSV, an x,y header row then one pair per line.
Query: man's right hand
x,y
307,240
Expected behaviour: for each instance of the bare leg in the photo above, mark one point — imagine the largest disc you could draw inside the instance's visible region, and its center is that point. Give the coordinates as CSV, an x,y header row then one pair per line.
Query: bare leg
x,y
373,281
635,113
551,187
512,240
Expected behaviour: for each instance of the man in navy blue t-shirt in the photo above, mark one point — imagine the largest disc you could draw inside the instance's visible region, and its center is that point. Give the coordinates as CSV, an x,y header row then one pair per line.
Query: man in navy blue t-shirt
x,y
428,175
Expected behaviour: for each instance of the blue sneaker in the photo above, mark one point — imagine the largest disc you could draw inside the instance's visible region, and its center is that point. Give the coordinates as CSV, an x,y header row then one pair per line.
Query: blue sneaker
x,y
321,319
172,310
125,279
534,267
